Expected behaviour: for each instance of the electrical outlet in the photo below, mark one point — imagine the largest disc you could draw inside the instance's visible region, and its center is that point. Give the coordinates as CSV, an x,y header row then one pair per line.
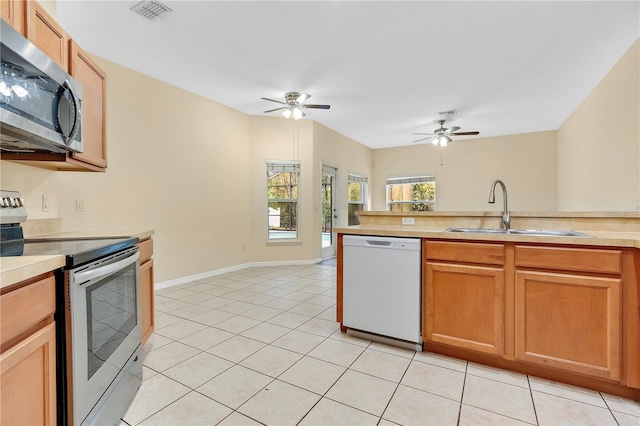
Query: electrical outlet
x,y
81,206
408,221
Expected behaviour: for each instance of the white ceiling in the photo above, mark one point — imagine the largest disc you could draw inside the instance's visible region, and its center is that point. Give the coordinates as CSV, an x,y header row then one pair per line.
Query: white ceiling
x,y
386,67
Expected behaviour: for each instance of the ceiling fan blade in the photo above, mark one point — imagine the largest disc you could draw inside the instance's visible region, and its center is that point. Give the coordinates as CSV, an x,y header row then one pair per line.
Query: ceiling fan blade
x,y
273,100
424,134
464,133
303,97
423,139
274,110
317,106
451,130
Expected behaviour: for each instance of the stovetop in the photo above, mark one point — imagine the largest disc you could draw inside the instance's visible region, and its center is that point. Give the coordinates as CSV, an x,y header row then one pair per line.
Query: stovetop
x,y
77,252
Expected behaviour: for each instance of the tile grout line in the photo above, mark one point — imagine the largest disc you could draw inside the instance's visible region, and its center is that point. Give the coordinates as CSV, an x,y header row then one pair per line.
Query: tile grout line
x,y
464,383
533,402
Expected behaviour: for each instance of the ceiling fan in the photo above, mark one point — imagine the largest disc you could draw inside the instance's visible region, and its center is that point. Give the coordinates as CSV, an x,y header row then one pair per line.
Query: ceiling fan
x,y
294,104
441,136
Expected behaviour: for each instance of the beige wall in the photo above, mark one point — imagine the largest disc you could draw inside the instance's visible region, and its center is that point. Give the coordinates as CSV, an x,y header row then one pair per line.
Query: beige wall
x,y
599,144
347,156
279,139
465,169
310,143
178,163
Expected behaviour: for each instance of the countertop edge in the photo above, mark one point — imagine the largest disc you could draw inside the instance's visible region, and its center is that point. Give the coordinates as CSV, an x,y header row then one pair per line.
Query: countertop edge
x,y
21,268
609,239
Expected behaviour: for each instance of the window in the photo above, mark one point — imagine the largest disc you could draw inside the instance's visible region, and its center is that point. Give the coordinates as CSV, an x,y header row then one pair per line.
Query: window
x,y
282,198
357,186
411,194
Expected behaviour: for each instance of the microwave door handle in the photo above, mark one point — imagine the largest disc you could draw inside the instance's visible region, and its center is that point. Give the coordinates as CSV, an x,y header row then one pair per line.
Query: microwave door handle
x,y
102,271
76,121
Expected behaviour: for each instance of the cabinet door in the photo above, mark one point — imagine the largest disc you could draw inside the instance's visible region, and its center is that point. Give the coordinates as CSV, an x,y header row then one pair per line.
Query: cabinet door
x,y
12,11
29,380
94,106
465,307
146,296
570,322
47,35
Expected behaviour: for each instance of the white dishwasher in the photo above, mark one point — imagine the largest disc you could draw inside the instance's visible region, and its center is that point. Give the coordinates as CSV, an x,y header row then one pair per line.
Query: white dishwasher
x,y
382,287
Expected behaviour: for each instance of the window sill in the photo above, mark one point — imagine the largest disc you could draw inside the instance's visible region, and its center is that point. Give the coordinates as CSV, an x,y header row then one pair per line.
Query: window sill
x,y
284,242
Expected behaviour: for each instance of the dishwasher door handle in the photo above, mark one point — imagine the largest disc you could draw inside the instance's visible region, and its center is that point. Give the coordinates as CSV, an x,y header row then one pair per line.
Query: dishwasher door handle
x,y
378,243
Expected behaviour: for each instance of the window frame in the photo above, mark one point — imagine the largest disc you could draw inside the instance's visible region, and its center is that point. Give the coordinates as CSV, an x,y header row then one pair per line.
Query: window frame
x,y
364,183
410,180
279,167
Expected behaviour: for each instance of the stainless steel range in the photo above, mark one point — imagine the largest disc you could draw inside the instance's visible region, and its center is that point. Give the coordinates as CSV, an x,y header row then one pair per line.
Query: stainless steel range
x,y
97,318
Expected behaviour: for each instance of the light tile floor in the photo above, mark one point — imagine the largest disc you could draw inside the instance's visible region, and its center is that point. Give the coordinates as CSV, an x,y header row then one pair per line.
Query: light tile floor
x,y
261,346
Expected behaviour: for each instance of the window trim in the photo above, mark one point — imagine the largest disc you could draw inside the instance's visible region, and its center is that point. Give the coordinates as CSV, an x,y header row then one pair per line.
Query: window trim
x,y
403,180
284,166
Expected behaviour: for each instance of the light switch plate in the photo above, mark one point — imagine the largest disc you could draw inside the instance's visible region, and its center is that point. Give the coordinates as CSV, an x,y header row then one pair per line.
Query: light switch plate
x,y
408,221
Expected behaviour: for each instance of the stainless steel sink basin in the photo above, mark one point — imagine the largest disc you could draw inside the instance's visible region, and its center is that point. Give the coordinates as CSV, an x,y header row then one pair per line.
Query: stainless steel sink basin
x,y
532,232
478,230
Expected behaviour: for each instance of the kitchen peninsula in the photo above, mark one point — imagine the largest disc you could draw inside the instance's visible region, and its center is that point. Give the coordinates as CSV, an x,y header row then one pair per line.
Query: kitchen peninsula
x,y
565,308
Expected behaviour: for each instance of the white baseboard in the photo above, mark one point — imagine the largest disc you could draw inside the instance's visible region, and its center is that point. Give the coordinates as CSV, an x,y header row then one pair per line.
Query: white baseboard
x,y
203,275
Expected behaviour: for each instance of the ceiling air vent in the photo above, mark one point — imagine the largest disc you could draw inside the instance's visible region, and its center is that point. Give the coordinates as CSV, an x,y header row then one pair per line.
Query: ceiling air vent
x,y
151,9
447,114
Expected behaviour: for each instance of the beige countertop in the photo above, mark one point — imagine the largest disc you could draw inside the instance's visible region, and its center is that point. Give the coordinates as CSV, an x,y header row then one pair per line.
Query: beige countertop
x,y
20,268
612,239
89,235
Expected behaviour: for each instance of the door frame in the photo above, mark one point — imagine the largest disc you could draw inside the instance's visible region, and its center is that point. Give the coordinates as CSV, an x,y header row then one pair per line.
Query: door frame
x,y
330,250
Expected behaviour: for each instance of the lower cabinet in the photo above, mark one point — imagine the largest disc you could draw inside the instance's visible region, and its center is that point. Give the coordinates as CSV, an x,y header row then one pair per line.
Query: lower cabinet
x,y
146,288
465,306
28,355
556,307
463,295
568,309
570,322
29,380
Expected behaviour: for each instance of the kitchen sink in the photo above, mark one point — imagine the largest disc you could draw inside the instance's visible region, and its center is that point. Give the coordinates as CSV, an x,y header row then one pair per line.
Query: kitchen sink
x,y
532,232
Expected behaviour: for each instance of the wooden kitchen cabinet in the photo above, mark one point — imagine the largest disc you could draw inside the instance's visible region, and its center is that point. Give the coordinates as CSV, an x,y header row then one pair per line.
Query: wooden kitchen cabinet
x,y
13,12
463,300
94,107
569,320
43,31
27,357
146,288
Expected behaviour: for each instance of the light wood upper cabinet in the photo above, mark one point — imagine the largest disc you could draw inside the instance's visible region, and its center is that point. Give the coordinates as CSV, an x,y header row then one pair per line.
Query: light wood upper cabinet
x,y
47,34
13,12
572,322
94,106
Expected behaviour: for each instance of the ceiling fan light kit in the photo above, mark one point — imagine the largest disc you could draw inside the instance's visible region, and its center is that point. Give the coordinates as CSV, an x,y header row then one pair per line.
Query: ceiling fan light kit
x,y
294,105
441,136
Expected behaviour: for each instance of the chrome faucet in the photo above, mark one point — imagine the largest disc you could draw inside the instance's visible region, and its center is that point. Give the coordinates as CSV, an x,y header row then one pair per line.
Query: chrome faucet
x,y
506,218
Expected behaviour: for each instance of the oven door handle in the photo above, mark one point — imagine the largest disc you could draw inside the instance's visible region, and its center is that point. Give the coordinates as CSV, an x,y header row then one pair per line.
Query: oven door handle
x,y
109,269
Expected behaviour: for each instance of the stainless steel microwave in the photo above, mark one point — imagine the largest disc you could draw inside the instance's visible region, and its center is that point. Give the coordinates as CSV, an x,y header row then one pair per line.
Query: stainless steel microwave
x,y
40,103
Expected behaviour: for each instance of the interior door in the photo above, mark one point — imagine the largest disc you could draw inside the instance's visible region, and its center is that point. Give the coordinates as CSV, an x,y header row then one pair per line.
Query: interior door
x,y
329,211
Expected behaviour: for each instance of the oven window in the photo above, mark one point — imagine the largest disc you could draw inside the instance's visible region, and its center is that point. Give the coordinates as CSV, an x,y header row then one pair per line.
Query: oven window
x,y
111,315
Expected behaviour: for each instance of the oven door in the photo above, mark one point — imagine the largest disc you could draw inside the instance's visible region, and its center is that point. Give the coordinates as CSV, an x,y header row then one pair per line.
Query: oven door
x,y
105,326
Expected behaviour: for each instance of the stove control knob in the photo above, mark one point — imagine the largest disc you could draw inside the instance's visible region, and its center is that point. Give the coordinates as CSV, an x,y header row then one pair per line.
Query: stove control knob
x,y
2,203
8,202
19,202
